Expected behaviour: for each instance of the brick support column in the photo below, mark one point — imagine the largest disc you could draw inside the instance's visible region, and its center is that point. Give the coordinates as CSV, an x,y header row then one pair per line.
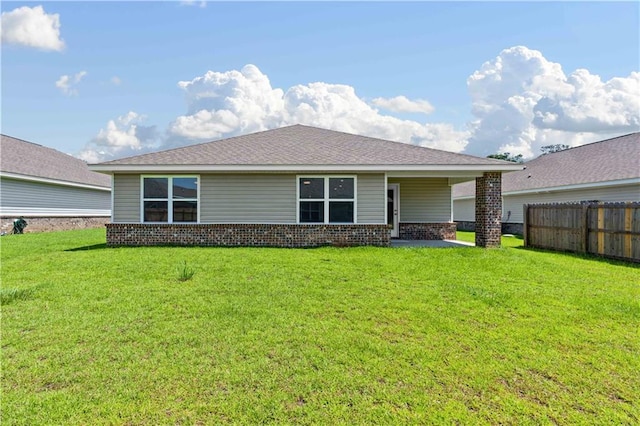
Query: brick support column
x,y
489,209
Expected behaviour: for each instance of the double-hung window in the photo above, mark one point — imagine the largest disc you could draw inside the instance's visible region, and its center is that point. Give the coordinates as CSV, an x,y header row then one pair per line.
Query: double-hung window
x,y
170,199
326,199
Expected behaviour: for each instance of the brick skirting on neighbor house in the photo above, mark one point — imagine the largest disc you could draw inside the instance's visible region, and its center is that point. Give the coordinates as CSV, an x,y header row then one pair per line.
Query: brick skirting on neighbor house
x,y
507,227
427,231
247,235
49,224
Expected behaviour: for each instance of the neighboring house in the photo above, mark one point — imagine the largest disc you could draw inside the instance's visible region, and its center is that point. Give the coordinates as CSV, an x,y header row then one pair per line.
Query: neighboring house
x,y
51,190
608,170
296,186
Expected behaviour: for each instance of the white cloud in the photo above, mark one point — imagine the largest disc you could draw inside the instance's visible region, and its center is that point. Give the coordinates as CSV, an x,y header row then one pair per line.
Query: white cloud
x,y
67,84
121,137
31,27
521,101
201,4
116,81
222,104
403,104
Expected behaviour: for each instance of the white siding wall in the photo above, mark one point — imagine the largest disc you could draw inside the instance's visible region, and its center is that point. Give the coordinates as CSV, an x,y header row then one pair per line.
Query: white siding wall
x,y
248,198
515,203
371,198
424,199
512,205
126,200
25,196
464,210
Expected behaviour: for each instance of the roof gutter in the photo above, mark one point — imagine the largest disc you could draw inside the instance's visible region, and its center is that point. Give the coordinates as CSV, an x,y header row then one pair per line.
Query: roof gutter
x,y
53,181
293,168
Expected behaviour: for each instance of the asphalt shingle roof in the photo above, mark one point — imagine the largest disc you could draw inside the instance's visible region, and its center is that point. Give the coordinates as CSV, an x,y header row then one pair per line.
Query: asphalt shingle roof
x,y
607,160
30,159
303,145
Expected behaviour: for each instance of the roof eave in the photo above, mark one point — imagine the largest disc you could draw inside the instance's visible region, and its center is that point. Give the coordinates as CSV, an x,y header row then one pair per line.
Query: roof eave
x,y
294,168
19,176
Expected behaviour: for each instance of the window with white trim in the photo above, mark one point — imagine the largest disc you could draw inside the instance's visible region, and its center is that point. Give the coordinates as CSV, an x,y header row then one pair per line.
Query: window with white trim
x,y
170,199
326,199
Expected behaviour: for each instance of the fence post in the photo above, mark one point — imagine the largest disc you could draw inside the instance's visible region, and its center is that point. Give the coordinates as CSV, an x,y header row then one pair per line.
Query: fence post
x,y
585,227
525,230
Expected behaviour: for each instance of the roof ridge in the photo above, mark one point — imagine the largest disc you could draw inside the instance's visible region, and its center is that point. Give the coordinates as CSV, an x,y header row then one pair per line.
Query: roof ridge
x,y
197,144
25,141
585,145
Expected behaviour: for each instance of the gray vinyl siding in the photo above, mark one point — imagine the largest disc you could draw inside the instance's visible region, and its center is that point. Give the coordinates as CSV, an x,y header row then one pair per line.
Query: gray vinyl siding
x,y
371,198
515,203
16,193
126,200
424,199
512,205
464,210
259,198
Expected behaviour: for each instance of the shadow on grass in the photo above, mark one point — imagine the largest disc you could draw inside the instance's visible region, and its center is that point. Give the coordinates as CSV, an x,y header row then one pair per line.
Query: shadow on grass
x,y
586,256
85,248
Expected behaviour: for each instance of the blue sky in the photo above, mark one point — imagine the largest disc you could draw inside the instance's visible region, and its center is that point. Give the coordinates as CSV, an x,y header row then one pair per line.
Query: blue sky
x,y
124,62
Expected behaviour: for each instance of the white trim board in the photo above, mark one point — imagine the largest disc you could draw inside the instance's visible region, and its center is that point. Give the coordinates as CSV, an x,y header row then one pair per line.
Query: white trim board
x,y
52,181
453,170
605,184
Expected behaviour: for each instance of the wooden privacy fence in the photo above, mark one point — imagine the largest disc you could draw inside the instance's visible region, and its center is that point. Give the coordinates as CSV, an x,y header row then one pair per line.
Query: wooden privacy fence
x,y
605,229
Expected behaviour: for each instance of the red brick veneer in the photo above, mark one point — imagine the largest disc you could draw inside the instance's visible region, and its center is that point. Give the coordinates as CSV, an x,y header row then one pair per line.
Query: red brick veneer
x,y
247,235
488,209
427,231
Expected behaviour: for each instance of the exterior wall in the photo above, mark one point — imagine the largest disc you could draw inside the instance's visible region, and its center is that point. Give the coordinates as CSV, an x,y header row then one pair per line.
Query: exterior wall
x,y
464,209
515,203
488,209
427,231
250,198
49,224
507,227
126,199
371,198
258,198
235,235
19,197
424,199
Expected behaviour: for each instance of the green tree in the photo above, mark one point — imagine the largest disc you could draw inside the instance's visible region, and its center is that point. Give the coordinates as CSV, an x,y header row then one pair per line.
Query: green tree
x,y
550,149
507,157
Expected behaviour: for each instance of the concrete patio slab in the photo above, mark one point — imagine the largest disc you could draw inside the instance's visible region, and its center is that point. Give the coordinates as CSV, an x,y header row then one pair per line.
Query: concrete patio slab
x,y
430,243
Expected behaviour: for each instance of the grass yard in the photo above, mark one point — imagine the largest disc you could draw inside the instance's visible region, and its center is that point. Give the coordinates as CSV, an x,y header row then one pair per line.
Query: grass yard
x,y
96,335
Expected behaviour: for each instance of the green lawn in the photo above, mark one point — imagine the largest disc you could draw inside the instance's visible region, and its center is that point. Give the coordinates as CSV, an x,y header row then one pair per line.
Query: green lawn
x,y
96,335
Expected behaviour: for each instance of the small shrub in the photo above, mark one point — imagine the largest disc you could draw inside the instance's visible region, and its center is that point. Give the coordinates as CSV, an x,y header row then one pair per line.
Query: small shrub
x,y
8,295
185,272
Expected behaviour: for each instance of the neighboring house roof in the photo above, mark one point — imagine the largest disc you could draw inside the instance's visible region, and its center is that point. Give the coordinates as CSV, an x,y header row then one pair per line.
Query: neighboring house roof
x,y
611,160
297,146
27,160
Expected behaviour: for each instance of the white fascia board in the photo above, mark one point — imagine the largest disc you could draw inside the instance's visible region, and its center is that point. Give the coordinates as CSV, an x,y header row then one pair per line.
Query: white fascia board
x,y
52,181
591,185
391,169
610,183
50,212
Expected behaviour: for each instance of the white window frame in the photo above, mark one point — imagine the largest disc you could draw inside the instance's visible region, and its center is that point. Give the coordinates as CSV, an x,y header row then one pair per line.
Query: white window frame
x,y
326,200
170,198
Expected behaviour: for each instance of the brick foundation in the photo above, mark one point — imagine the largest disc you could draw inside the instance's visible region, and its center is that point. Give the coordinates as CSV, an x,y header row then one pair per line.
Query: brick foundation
x,y
49,224
247,235
489,209
427,231
507,227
